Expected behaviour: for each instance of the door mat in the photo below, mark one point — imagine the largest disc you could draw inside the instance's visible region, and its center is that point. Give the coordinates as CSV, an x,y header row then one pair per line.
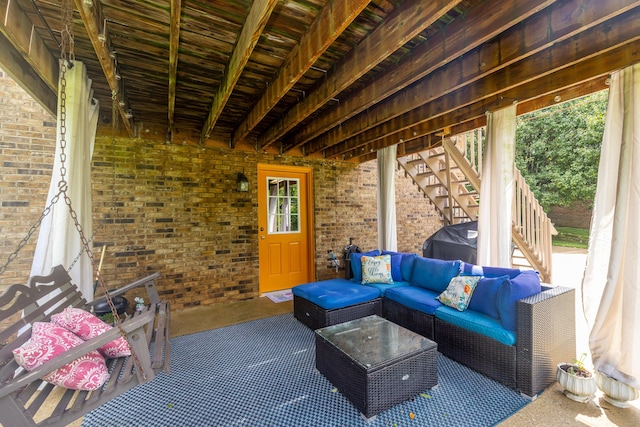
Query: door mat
x,y
279,296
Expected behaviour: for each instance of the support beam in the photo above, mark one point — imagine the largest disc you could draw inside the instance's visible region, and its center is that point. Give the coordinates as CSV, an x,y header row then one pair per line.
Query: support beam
x,y
253,27
480,23
26,58
13,63
93,20
400,26
475,68
590,70
332,20
174,43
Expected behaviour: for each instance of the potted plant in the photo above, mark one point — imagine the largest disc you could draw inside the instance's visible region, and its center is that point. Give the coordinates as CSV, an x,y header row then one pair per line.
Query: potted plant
x,y
578,382
615,392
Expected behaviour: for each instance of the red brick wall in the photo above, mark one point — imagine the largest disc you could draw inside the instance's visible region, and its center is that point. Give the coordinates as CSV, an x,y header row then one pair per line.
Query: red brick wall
x,y
27,145
577,215
176,209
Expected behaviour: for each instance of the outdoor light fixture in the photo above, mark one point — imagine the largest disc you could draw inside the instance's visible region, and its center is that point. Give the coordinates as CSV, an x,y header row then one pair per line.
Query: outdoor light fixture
x,y
243,182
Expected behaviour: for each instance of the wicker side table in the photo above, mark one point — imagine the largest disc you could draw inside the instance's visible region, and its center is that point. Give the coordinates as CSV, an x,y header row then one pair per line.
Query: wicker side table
x,y
375,363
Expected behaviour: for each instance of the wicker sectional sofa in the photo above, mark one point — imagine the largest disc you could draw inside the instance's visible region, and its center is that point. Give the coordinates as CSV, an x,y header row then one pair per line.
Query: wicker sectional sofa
x,y
515,331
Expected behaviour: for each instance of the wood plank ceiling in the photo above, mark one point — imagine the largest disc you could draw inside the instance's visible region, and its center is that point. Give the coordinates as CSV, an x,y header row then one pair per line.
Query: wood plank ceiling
x,y
336,79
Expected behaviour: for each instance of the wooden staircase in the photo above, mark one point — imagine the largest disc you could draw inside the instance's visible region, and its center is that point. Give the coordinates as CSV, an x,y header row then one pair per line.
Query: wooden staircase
x,y
449,175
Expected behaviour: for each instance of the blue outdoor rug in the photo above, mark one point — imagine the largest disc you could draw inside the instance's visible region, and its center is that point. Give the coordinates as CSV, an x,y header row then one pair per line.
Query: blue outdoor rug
x,y
262,373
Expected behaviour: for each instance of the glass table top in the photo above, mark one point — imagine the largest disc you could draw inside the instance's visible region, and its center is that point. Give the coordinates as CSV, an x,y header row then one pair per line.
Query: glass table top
x,y
373,341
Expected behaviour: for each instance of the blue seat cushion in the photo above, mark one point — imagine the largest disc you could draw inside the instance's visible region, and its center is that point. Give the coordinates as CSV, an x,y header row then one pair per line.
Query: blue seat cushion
x,y
434,274
335,293
477,322
385,286
414,297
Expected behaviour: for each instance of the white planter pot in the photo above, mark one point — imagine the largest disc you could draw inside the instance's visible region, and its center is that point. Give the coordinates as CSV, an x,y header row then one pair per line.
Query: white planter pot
x,y
615,392
575,387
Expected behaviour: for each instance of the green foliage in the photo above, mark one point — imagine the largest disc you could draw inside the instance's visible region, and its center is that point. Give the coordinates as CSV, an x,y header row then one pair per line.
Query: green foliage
x,y
558,149
572,237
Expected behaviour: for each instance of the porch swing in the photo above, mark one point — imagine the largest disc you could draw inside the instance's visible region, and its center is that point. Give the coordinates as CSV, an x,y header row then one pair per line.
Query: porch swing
x,y
26,399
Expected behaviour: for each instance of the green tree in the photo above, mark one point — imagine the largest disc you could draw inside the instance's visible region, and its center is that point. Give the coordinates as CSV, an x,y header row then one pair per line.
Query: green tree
x,y
558,149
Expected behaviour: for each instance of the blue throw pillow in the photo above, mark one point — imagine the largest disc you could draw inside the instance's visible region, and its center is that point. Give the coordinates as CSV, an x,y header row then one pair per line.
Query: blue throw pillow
x,y
396,263
356,263
434,274
525,284
485,296
405,267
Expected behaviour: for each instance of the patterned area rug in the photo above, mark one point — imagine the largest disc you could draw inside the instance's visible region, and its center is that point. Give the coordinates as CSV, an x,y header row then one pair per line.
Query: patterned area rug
x,y
262,373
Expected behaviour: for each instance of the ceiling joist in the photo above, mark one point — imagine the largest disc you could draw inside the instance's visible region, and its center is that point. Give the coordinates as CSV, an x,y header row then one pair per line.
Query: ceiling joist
x,y
253,27
332,20
494,68
402,24
93,20
174,43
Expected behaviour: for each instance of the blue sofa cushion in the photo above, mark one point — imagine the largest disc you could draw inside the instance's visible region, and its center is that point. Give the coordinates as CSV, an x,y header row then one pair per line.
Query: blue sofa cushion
x,y
485,296
523,285
434,274
419,299
356,263
396,263
467,269
385,286
406,265
335,293
477,322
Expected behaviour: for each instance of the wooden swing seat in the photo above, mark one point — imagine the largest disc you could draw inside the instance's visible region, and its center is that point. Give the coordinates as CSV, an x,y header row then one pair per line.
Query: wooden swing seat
x,y
25,399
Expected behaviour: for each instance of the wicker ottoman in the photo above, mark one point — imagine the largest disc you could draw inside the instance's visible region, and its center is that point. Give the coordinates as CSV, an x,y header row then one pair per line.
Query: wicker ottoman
x,y
375,363
328,302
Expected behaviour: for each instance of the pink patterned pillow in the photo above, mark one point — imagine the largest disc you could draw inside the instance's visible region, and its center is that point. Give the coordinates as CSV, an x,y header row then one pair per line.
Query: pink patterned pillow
x,y
87,326
88,372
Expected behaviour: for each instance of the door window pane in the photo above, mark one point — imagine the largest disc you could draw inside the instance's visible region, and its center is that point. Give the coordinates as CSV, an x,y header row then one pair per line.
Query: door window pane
x,y
283,205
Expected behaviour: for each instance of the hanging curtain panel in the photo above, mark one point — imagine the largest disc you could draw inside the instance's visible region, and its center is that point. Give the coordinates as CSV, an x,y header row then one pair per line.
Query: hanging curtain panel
x,y
611,284
59,241
496,189
387,233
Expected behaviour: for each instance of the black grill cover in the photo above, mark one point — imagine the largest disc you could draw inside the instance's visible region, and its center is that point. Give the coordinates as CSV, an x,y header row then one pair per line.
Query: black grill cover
x,y
457,241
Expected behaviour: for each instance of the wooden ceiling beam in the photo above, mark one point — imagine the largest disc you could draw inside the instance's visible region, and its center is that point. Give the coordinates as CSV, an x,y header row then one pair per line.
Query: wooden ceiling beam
x,y
479,24
174,43
251,31
428,134
332,20
585,72
26,58
475,67
400,26
93,19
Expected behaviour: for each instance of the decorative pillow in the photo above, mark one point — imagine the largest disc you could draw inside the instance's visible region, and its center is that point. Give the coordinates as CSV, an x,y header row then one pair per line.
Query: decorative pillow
x,y
458,293
86,325
356,263
88,372
523,285
485,296
433,274
376,269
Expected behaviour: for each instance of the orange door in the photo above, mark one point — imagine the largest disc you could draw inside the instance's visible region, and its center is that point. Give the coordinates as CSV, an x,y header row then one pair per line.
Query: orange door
x,y
284,227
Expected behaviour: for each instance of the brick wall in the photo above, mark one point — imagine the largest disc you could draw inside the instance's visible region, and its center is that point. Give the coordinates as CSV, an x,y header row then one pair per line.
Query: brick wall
x,y
173,208
577,215
27,145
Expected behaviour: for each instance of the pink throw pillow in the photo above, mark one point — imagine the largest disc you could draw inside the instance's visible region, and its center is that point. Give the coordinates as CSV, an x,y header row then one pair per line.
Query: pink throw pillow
x,y
88,372
86,325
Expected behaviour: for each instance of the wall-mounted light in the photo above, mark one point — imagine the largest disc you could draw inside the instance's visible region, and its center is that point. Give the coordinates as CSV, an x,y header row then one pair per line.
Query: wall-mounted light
x,y
243,182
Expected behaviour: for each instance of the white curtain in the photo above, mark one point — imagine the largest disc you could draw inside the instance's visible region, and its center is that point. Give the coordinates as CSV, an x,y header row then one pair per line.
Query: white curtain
x,y
611,284
387,235
59,241
496,189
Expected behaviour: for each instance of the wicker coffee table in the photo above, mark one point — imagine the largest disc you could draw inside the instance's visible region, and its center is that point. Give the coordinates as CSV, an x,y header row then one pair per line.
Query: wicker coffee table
x,y
375,363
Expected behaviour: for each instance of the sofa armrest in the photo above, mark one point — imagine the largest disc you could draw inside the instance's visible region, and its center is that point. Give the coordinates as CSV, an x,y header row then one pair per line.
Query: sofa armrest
x,y
546,336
